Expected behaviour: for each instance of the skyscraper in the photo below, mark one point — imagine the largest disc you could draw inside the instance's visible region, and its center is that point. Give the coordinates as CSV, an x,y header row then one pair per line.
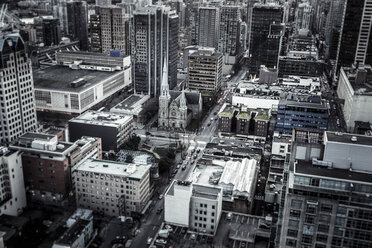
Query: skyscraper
x,y
209,20
109,31
155,30
355,44
303,16
18,113
266,36
229,31
77,19
333,26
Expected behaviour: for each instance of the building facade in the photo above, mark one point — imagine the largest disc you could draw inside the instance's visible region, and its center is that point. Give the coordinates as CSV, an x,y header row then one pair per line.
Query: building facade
x,y
266,36
12,187
47,164
77,18
309,112
209,24
112,188
205,73
18,113
155,41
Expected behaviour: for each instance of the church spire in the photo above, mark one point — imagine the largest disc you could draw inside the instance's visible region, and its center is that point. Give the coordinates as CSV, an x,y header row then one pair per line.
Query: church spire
x,y
183,99
164,88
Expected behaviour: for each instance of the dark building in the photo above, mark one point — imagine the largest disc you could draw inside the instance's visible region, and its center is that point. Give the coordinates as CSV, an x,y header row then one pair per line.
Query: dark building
x,y
47,31
155,41
95,33
265,37
355,45
113,129
244,121
310,112
300,66
77,18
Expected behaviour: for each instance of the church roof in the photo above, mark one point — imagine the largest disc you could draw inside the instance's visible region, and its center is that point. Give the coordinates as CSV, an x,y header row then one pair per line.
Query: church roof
x,y
191,97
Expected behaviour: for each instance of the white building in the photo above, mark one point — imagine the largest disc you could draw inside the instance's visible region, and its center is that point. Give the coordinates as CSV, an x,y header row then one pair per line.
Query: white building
x,y
280,145
199,206
18,113
112,188
12,187
354,88
73,90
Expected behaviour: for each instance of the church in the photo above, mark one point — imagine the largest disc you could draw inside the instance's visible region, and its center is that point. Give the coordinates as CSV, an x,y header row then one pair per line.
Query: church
x,y
177,108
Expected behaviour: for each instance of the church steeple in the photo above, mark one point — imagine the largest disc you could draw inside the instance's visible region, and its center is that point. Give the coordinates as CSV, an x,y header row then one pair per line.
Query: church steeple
x,y
183,100
164,87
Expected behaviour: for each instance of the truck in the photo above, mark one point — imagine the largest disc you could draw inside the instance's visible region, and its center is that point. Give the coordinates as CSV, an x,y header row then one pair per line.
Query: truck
x,y
164,233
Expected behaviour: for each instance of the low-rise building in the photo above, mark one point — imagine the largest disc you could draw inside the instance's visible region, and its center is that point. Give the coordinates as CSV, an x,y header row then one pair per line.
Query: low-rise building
x,y
200,206
112,188
134,105
113,128
354,87
310,112
47,164
12,187
71,90
78,235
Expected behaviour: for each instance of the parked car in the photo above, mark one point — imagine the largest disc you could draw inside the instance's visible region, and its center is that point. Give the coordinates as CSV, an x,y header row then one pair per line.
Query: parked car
x,y
149,240
161,241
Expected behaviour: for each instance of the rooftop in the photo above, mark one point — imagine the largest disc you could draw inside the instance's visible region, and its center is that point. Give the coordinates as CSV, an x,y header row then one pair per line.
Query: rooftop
x,y
360,79
102,118
61,78
305,101
348,138
73,232
307,168
204,191
132,171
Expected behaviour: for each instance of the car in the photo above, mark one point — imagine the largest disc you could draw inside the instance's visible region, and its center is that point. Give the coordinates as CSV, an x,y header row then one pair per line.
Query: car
x,y
194,157
193,236
159,210
168,227
184,167
229,216
178,166
149,240
161,241
243,245
175,171
160,196
198,150
215,113
183,231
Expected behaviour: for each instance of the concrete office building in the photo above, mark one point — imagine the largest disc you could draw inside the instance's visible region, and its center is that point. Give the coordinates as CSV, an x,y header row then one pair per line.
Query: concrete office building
x,y
113,128
303,16
333,26
328,198
48,31
71,90
12,187
355,39
354,88
110,30
309,112
205,73
47,164
77,19
200,206
150,51
229,33
112,188
18,113
266,36
209,24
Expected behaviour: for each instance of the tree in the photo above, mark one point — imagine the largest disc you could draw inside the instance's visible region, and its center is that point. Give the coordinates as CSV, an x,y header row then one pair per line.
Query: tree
x,y
129,159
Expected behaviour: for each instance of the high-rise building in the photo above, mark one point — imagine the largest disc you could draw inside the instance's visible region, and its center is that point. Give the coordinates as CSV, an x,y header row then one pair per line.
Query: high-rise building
x,y
355,44
333,26
328,203
77,18
103,3
18,114
12,187
208,22
205,73
266,36
60,13
109,30
303,16
229,31
48,31
155,40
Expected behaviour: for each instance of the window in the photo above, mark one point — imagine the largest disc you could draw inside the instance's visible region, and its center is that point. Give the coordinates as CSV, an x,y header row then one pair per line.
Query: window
x,y
321,238
293,224
326,208
292,233
310,219
307,239
296,203
324,218
295,213
323,228
291,242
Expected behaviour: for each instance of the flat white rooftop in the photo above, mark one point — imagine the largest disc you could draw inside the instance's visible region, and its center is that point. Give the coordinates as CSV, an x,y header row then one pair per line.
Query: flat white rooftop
x,y
114,168
102,118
